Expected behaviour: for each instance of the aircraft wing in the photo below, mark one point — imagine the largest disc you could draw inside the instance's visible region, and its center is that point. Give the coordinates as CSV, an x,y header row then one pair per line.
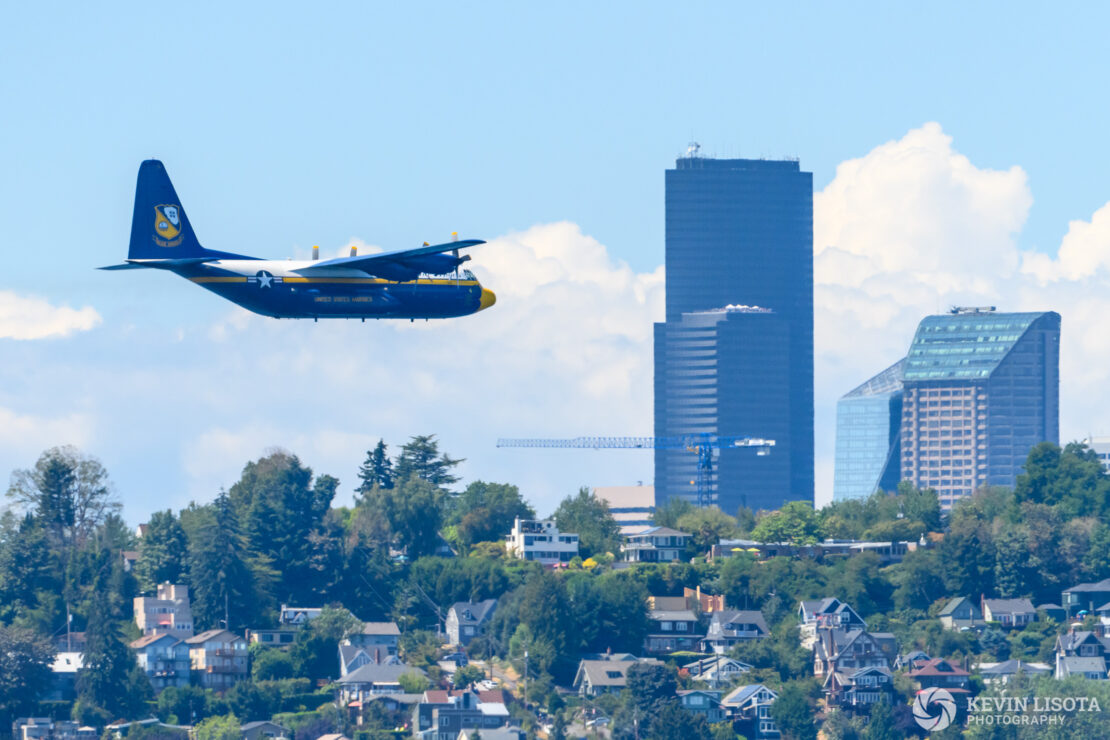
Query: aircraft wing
x,y
404,263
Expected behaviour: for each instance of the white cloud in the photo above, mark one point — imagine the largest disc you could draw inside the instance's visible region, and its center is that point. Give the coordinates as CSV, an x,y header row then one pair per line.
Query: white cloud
x,y
28,317
24,436
914,227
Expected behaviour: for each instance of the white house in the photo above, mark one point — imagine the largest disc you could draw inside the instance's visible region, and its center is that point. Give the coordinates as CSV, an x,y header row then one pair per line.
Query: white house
x,y
541,542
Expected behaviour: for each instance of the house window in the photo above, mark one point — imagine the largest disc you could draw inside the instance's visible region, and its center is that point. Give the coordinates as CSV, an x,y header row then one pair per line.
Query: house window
x,y
666,626
681,626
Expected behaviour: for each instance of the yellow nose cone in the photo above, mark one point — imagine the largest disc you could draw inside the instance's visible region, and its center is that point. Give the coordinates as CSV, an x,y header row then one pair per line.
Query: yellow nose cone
x,y
487,300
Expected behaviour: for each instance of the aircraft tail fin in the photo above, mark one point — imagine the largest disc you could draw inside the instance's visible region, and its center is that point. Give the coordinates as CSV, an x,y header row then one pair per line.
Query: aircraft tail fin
x,y
159,227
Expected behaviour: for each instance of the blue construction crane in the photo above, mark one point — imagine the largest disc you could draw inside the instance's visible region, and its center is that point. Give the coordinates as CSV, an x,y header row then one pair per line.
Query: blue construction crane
x,y
703,445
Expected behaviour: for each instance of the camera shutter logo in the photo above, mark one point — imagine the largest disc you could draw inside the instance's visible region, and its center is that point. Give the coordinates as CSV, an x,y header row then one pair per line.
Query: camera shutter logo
x,y
934,709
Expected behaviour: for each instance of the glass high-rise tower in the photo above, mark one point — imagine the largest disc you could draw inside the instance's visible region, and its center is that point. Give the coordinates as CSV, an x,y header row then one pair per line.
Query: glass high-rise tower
x,y
980,389
868,436
739,235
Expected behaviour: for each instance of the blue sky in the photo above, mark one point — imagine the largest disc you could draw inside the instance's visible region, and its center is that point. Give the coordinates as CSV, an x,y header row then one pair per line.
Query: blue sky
x,y
534,124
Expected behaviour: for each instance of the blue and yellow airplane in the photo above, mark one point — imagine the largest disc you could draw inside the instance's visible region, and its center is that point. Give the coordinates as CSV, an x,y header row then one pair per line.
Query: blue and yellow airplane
x,y
421,283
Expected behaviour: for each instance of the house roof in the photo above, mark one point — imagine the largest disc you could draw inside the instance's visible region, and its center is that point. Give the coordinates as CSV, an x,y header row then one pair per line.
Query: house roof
x,y
938,667
714,695
722,619
714,664
663,615
741,694
661,532
955,603
479,611
1009,606
668,603
603,672
142,642
1010,667
1103,585
380,628
374,673
1078,664
68,662
819,606
208,636
253,725
347,653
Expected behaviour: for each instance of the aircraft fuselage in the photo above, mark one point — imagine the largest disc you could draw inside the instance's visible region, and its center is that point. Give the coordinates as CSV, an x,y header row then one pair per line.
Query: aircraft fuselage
x,y
291,289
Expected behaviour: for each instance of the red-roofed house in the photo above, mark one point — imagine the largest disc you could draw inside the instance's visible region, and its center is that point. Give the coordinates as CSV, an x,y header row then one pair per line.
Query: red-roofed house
x,y
939,673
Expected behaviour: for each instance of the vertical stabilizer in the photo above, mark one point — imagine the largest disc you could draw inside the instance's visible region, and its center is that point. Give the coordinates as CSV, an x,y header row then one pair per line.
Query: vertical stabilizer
x,y
159,227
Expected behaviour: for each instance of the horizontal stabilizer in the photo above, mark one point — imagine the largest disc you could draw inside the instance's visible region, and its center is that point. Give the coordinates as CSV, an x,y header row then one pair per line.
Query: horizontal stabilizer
x,y
168,264
124,266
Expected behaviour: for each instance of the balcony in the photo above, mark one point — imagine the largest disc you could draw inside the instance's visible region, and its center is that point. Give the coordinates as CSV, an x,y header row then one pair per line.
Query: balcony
x,y
225,669
227,653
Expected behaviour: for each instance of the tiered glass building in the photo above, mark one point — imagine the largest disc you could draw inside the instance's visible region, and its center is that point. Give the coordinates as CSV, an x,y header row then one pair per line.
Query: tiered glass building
x,y
980,390
739,234
868,434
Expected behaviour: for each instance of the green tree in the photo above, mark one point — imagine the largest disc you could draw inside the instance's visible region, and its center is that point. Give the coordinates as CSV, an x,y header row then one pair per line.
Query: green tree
x,y
223,582
589,517
314,647
111,681
1071,479
708,525
30,581
69,492
723,731
224,727
414,511
413,683
377,470
672,722
25,675
795,523
271,664
485,512
670,512
881,724
163,552
420,458
466,676
282,512
184,705
650,685
793,711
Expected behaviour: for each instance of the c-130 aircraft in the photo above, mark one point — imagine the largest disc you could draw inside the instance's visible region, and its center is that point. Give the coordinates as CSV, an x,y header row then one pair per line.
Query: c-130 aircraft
x,y
421,283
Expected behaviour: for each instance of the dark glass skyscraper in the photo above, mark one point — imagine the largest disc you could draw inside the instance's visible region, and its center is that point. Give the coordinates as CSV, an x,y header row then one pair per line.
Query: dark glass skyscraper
x,y
739,232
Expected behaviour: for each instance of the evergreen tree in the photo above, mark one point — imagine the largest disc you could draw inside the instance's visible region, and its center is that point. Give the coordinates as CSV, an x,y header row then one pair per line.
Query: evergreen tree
x,y
793,712
223,584
25,659
163,552
29,571
420,458
414,512
376,470
281,508
106,686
